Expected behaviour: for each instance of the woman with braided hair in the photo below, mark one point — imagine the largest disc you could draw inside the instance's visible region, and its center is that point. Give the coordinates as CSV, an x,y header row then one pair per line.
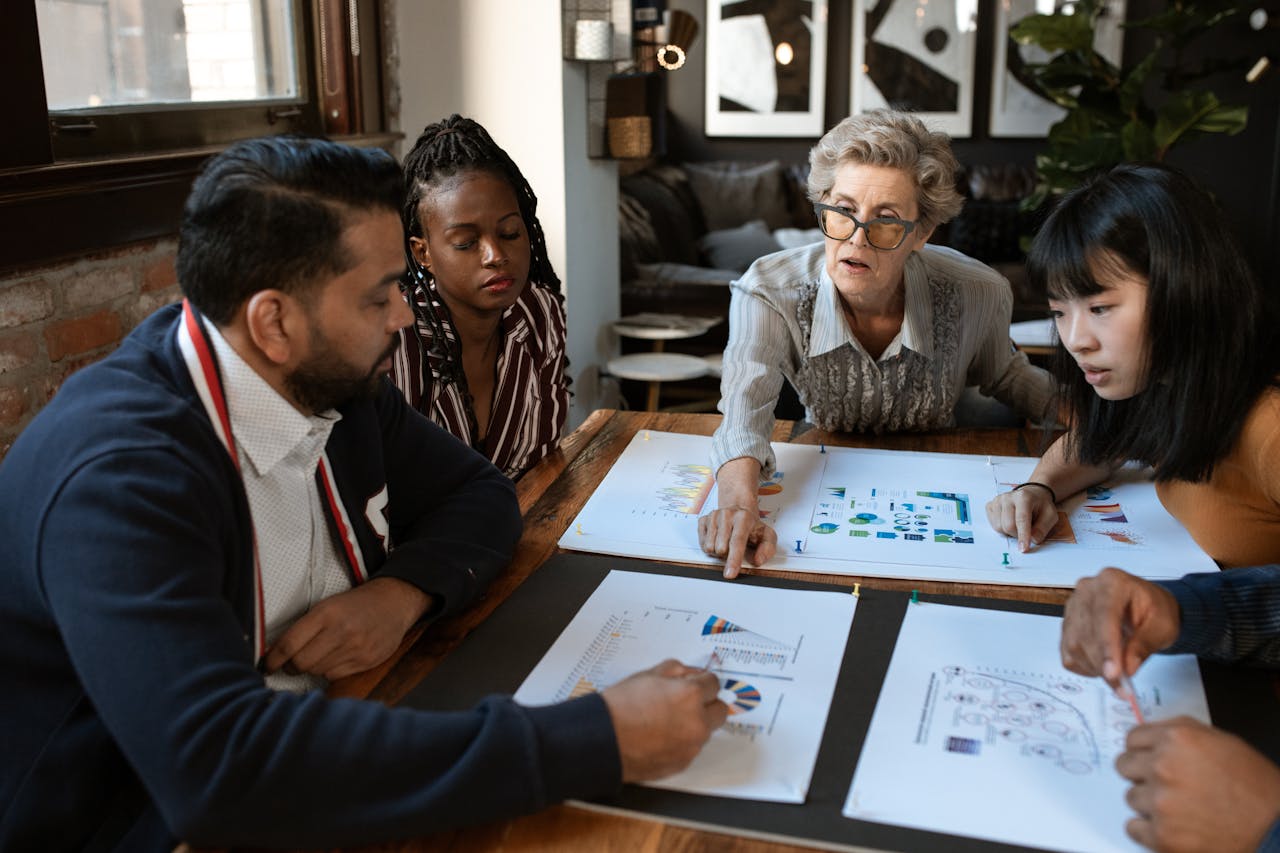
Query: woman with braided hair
x,y
485,357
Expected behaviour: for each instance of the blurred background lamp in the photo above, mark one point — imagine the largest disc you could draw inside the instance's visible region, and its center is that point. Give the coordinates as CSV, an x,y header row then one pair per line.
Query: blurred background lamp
x,y
682,31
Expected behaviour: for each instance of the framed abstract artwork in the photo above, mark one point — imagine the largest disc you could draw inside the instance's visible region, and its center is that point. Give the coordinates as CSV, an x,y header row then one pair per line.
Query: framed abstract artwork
x,y
916,56
1017,110
766,67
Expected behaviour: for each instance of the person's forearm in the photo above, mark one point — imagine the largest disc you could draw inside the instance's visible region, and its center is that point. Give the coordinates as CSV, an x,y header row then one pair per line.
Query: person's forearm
x,y
738,483
1064,476
1233,615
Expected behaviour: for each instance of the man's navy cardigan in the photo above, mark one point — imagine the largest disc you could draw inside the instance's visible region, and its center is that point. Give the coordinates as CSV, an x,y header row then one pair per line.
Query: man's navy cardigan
x,y
132,713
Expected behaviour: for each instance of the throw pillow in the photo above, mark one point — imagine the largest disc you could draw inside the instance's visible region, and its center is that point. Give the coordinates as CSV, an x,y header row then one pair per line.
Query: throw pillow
x,y
736,248
794,238
732,193
672,214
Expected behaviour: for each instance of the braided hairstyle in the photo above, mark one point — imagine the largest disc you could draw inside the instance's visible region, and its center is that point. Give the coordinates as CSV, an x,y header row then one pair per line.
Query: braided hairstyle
x,y
457,145
443,150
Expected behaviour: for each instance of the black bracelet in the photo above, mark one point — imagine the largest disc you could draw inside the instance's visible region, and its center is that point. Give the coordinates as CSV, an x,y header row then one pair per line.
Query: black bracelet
x,y
1052,493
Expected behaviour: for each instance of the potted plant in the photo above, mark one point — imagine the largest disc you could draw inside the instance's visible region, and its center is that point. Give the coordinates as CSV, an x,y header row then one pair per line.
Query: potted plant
x,y
1133,112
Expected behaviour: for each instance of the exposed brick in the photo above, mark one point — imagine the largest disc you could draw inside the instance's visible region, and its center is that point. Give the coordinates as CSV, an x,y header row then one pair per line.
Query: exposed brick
x,y
25,303
97,287
159,274
13,405
17,350
72,337
149,302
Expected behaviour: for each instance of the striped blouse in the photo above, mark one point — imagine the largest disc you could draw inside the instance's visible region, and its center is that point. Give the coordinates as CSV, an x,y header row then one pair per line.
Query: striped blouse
x,y
530,397
786,322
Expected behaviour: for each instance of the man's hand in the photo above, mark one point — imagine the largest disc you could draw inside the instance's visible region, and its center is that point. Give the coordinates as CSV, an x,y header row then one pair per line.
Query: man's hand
x,y
736,533
1115,621
1027,515
1197,788
662,717
350,632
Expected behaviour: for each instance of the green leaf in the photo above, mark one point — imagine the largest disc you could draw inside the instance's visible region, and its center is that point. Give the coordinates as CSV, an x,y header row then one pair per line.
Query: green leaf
x,y
1182,112
1054,32
1229,119
1032,203
1138,141
1130,92
1064,72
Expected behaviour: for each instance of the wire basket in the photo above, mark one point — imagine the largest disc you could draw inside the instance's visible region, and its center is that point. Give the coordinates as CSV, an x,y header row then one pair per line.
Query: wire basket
x,y
630,137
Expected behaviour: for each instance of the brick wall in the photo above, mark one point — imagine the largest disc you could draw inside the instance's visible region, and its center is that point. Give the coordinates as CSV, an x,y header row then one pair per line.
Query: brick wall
x,y
55,320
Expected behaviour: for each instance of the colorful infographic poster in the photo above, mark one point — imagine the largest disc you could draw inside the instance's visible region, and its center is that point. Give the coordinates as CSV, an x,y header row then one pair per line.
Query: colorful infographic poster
x,y
777,653
881,513
979,731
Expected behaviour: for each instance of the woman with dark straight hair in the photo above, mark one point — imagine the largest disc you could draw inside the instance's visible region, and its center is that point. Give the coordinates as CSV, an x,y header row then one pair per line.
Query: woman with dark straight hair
x,y
1167,357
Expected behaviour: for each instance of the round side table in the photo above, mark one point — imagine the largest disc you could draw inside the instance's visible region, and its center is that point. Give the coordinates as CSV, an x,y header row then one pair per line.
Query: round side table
x,y
663,327
656,368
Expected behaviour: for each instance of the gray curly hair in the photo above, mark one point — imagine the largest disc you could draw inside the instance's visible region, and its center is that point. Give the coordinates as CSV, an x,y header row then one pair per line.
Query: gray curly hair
x,y
889,138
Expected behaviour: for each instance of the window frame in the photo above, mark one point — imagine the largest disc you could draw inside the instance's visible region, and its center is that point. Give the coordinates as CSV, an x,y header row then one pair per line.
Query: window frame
x,y
59,199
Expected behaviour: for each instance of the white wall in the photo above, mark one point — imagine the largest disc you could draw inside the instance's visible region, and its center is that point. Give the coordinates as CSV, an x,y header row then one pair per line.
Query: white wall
x,y
499,62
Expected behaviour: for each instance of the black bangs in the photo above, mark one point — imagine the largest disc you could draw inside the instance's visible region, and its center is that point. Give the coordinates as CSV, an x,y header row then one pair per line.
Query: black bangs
x,y
1059,261
1209,338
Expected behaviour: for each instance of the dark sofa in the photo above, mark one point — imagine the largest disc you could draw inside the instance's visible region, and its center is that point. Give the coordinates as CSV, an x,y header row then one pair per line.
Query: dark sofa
x,y
687,230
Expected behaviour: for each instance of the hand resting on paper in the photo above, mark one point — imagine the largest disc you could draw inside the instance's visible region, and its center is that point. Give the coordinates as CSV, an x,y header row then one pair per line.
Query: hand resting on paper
x,y
1197,788
662,717
1113,622
1027,515
1028,511
734,531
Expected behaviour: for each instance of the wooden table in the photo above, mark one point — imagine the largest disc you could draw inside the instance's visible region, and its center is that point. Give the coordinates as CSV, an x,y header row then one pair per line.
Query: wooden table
x,y
551,494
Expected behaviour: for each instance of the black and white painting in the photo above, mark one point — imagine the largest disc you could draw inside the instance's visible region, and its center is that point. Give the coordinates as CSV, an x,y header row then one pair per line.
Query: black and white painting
x,y
916,56
766,67
1017,110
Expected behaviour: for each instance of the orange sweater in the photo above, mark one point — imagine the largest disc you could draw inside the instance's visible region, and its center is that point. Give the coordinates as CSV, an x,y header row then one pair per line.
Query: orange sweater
x,y
1235,515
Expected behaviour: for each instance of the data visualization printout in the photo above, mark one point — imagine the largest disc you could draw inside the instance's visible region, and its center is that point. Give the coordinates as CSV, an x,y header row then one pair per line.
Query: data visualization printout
x,y
776,652
980,731
881,513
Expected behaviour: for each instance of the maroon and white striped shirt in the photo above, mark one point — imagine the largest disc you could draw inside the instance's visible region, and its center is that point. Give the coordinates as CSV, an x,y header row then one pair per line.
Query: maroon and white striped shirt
x,y
530,397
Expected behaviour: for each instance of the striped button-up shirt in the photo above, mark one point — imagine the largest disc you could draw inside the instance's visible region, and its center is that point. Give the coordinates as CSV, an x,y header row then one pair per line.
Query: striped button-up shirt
x,y
786,322
530,397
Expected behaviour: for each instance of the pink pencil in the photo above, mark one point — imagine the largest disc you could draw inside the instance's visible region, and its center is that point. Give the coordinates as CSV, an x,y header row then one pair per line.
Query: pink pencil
x,y
1132,697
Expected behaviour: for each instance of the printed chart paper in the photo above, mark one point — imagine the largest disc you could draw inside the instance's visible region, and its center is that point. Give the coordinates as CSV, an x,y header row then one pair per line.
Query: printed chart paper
x,y
881,513
980,731
777,653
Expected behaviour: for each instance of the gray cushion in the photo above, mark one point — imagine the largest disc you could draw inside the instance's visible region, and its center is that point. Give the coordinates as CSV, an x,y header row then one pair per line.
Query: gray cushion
x,y
659,217
731,193
736,248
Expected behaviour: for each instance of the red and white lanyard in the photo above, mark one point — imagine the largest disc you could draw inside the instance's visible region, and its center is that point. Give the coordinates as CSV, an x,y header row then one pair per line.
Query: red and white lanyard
x,y
197,352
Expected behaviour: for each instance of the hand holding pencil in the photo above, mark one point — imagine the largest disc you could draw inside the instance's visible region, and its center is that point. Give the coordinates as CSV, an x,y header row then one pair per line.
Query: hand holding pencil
x,y
1113,622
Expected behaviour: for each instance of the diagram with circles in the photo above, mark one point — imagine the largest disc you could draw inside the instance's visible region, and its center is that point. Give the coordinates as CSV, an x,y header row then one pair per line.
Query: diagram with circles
x,y
774,652
1059,719
838,510
980,731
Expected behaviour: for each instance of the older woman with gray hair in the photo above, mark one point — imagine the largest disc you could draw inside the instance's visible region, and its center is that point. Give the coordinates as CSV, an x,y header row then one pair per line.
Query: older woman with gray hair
x,y
874,329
